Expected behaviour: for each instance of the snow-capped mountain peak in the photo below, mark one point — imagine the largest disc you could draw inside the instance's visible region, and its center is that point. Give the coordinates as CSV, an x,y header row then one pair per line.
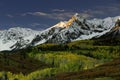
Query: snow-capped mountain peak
x,y
61,24
66,24
76,28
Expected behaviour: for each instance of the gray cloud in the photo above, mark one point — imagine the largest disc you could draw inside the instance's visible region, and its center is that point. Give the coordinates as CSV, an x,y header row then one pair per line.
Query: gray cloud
x,y
35,14
58,10
38,26
9,15
57,16
61,14
110,10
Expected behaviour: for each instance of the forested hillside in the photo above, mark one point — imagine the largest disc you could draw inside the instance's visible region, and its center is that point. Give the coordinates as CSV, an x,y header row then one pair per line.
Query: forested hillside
x,y
47,61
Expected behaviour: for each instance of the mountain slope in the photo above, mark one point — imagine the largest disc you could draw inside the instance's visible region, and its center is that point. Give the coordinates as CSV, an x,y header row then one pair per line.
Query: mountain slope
x,y
114,33
77,28
112,37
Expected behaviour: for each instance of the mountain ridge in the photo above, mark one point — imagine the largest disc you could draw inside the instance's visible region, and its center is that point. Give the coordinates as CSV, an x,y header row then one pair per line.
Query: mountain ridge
x,y
77,28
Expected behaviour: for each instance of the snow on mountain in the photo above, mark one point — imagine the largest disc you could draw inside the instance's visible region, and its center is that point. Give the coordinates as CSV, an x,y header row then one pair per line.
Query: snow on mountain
x,y
16,38
77,28
60,24
113,34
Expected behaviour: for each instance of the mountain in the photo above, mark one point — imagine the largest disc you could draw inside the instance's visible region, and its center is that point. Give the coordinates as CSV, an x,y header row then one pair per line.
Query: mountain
x,y
16,38
77,28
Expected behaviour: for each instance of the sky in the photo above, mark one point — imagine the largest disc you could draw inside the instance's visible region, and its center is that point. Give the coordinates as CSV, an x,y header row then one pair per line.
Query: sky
x,y
41,14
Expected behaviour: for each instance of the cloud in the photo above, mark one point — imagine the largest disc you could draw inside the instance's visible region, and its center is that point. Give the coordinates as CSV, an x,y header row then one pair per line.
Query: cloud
x,y
98,12
59,16
38,26
58,10
111,10
86,15
39,14
56,16
9,15
35,14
